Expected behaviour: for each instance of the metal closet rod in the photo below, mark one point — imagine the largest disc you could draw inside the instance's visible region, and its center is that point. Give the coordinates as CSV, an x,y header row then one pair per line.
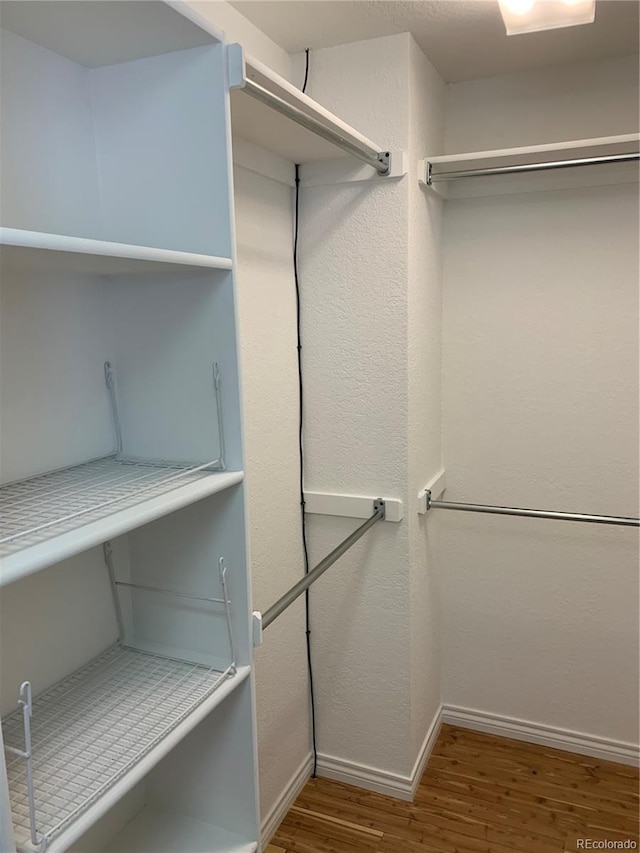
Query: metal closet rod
x,y
379,159
304,583
529,167
533,513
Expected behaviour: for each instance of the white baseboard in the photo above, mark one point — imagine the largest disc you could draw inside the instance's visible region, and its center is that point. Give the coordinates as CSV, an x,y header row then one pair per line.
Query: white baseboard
x,y
281,806
381,781
425,752
583,744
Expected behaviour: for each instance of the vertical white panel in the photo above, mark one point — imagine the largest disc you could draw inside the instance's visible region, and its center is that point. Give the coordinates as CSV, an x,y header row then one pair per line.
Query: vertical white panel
x,y
266,308
6,825
210,774
161,143
48,166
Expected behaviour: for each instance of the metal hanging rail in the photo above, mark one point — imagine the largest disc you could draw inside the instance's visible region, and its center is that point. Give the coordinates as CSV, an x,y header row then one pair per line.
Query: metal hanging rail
x,y
304,583
533,513
528,167
378,159
256,79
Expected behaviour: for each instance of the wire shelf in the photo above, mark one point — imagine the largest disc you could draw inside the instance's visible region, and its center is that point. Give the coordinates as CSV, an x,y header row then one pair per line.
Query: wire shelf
x,y
39,508
91,728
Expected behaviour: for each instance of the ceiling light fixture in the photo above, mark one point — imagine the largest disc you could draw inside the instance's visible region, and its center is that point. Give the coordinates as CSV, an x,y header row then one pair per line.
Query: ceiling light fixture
x,y
530,16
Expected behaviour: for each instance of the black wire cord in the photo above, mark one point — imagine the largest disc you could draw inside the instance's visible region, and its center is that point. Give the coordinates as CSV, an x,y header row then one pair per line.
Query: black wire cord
x,y
303,519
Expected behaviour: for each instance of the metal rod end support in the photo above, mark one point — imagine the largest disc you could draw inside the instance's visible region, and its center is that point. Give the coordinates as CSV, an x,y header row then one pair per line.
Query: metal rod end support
x,y
385,158
379,506
429,183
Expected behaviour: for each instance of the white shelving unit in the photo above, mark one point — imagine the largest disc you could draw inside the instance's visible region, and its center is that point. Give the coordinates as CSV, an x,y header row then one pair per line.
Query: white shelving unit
x,y
125,603
566,178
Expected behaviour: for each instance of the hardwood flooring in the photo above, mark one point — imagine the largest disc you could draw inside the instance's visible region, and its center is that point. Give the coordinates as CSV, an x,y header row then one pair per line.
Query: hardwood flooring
x,y
479,794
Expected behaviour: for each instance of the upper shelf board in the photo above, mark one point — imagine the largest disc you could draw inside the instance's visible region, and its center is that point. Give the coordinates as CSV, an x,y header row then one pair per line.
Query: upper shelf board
x,y
265,127
39,250
566,178
103,32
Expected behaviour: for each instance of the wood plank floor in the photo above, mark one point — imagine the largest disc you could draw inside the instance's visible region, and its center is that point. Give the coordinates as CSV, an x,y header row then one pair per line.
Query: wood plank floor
x,y
479,794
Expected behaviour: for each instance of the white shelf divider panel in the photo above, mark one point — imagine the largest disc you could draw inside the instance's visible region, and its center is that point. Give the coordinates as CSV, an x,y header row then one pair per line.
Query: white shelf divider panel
x,y
54,516
167,832
566,178
56,252
98,732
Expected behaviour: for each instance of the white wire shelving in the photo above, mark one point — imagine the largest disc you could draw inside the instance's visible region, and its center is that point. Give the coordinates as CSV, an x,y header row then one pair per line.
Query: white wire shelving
x,y
57,514
93,730
48,518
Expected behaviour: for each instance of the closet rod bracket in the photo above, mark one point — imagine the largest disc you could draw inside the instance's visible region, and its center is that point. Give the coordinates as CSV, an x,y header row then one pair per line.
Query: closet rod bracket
x,y
385,159
379,506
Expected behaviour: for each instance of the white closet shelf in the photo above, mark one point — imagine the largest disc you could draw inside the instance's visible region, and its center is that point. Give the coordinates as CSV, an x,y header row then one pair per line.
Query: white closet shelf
x,y
98,732
561,178
40,250
51,517
165,832
266,127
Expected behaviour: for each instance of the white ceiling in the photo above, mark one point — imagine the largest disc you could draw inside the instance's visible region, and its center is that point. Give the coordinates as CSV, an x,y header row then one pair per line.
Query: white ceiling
x,y
464,39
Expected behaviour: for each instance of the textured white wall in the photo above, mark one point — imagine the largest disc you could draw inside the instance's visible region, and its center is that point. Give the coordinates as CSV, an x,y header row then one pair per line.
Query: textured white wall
x,y
354,266
367,378
266,308
238,28
540,618
579,101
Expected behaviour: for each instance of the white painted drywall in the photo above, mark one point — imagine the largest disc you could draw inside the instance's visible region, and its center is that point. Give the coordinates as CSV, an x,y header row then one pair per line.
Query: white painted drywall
x,y
238,28
266,309
540,408
581,101
360,274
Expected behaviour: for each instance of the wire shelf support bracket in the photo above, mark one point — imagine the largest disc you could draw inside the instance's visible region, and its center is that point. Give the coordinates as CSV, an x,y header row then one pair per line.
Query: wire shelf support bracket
x,y
25,701
117,584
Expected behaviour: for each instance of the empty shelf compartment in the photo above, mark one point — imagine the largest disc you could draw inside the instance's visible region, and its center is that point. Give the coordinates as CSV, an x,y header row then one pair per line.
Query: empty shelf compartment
x,y
99,496
156,830
91,730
